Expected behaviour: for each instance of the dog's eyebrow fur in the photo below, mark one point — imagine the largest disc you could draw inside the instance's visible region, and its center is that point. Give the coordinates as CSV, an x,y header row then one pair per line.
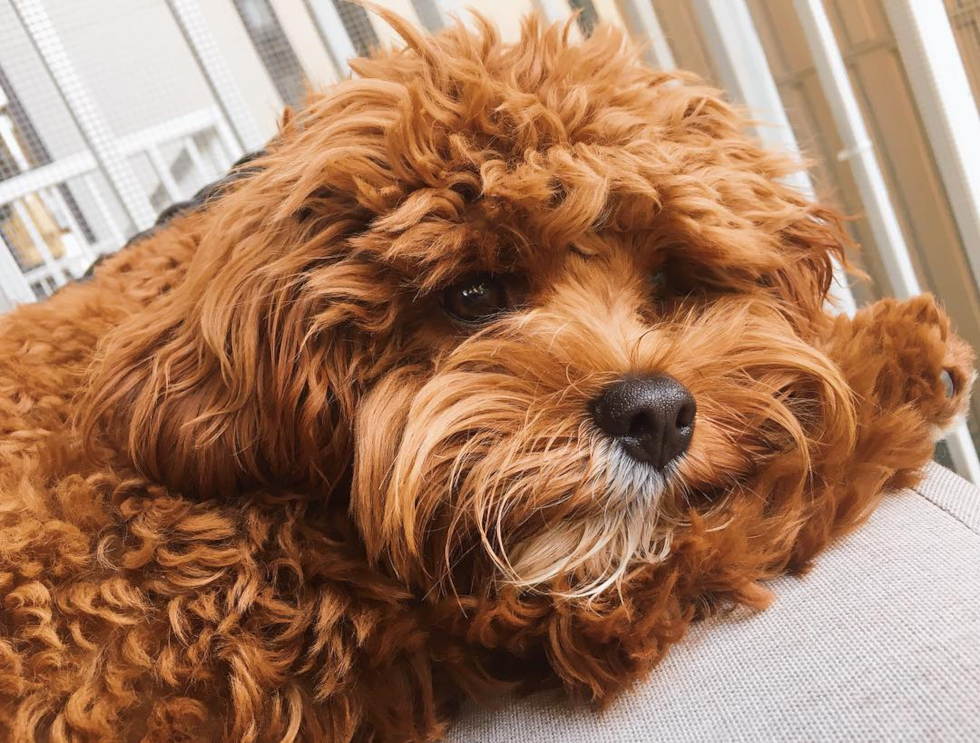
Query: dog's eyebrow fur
x,y
580,251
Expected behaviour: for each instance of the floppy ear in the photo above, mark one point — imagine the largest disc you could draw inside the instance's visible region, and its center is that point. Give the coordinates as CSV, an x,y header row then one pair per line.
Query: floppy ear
x,y
218,388
812,243
246,373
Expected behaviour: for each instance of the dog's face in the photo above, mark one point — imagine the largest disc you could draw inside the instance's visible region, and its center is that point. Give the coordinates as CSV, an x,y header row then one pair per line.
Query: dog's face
x,y
531,305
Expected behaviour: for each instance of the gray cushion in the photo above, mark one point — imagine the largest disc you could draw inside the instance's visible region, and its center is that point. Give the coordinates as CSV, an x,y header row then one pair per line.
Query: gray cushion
x,y
881,641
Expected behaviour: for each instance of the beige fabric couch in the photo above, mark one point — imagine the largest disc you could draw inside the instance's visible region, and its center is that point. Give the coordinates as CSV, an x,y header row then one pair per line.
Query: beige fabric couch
x,y
881,641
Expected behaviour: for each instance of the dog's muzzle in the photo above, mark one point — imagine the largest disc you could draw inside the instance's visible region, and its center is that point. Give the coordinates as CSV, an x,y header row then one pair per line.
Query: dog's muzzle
x,y
652,418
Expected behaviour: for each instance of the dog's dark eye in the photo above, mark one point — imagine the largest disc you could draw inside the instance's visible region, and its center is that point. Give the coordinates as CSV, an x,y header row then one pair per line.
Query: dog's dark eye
x,y
658,283
475,299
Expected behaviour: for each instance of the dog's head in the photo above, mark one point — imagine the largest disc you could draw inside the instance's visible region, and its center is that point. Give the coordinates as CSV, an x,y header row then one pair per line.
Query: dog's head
x,y
530,306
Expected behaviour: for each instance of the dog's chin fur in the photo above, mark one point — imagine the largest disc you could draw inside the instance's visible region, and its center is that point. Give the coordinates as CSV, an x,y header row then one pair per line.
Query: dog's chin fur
x,y
589,556
591,553
258,484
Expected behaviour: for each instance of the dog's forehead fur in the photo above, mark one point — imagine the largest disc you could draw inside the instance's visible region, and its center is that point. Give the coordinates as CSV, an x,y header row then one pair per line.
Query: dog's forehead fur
x,y
462,152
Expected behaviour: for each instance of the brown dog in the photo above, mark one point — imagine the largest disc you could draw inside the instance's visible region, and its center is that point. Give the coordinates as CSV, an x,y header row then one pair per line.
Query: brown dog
x,y
499,367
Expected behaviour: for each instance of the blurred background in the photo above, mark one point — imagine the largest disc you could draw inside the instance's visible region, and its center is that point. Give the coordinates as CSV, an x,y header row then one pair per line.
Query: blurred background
x,y
112,109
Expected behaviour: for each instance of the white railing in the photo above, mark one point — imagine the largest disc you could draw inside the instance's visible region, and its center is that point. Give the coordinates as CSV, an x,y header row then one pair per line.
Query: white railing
x,y
199,147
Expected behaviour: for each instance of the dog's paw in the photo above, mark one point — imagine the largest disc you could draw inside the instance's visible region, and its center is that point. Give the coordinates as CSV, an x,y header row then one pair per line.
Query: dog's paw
x,y
957,378
915,359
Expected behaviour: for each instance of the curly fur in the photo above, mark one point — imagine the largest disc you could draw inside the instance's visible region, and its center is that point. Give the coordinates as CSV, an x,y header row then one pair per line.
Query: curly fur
x,y
257,486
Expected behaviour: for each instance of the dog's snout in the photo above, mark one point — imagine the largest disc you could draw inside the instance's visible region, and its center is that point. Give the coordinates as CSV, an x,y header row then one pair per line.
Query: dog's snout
x,y
652,417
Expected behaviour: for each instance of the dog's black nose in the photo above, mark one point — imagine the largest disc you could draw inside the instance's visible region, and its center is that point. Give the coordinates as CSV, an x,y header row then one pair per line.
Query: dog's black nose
x,y
652,417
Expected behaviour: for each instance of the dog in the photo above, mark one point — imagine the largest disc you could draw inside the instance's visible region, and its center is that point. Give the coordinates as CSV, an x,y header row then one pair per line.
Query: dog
x,y
501,365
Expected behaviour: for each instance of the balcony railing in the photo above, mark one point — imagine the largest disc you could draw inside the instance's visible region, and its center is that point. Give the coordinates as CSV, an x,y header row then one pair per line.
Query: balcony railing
x,y
43,233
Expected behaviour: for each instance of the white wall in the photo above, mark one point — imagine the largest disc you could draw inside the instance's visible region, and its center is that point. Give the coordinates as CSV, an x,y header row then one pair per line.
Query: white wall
x,y
301,30
235,45
386,34
132,58
34,87
507,14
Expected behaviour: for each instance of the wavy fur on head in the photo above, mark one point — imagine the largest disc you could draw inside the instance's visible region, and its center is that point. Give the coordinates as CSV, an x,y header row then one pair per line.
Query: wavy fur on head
x,y
255,484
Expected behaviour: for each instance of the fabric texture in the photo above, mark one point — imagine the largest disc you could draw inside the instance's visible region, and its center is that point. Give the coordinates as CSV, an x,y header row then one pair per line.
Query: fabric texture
x,y
881,641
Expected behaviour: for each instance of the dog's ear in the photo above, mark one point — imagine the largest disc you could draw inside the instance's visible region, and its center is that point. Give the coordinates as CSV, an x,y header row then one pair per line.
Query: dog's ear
x,y
246,373
811,246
